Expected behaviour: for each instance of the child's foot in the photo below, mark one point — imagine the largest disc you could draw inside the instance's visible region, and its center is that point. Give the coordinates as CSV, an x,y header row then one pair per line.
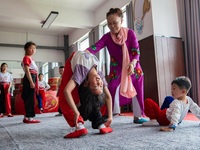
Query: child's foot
x,y
10,115
151,123
30,120
41,110
58,115
118,114
105,130
140,120
1,115
77,133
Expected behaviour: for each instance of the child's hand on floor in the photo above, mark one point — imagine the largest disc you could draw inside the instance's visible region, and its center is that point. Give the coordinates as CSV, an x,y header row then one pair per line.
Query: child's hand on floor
x,y
166,129
76,116
108,122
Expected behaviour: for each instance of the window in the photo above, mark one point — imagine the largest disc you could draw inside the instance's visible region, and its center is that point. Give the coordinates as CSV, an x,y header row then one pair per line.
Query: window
x,y
54,64
45,68
124,23
83,43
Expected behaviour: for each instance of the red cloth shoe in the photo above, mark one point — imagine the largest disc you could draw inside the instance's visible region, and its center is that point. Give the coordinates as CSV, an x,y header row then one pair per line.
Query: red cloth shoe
x,y
106,130
26,120
77,133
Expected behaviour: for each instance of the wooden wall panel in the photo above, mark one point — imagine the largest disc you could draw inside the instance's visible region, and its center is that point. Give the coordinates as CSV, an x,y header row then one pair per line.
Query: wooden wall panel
x,y
147,60
170,63
160,66
162,60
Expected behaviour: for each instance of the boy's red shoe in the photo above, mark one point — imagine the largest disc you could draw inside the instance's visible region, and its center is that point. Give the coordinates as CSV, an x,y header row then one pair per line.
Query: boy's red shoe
x,y
106,130
77,133
30,121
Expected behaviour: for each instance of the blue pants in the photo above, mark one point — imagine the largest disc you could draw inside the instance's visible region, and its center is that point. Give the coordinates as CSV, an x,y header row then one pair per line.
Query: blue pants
x,y
167,102
39,97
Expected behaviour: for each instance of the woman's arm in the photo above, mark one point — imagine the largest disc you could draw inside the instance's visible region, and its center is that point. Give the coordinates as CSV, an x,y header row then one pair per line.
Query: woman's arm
x,y
28,75
68,96
98,45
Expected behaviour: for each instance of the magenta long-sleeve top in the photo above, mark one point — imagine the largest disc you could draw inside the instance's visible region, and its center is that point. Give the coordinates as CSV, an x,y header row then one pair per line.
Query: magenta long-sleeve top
x,y
115,52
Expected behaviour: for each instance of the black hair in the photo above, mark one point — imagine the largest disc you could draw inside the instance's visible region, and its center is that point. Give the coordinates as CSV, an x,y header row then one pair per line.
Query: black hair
x,y
183,82
3,65
117,11
40,74
28,44
61,67
90,103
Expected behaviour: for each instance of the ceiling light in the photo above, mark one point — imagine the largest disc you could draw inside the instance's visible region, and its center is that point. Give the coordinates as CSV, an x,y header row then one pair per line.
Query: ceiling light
x,y
52,16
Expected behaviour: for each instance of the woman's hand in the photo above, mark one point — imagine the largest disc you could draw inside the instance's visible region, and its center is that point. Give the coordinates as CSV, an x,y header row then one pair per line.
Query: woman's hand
x,y
131,68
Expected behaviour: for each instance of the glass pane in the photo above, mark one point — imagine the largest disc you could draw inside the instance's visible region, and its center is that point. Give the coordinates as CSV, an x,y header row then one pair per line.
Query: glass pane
x,y
84,44
124,23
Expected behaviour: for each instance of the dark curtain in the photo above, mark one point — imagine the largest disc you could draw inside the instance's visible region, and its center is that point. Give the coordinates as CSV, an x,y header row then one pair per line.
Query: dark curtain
x,y
189,13
129,15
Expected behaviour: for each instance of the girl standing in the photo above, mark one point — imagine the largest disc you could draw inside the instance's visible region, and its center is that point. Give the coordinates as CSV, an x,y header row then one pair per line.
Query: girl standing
x,y
30,83
5,85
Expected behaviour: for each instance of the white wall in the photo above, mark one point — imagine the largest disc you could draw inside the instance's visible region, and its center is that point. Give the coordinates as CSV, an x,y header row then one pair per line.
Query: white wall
x,y
43,55
22,38
77,34
100,16
16,54
147,29
165,18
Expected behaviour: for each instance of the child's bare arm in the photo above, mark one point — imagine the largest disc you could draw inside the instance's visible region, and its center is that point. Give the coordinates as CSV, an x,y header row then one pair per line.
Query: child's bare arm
x,y
28,75
68,96
109,106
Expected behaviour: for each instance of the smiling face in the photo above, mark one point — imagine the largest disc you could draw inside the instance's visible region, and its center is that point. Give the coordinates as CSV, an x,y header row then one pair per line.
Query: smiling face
x,y
95,82
114,23
177,92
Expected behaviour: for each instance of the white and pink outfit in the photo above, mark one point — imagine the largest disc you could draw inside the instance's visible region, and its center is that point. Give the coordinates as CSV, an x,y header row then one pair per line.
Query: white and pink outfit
x,y
5,97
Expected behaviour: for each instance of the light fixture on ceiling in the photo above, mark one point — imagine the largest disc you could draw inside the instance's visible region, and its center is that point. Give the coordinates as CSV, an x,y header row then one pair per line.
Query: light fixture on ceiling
x,y
52,16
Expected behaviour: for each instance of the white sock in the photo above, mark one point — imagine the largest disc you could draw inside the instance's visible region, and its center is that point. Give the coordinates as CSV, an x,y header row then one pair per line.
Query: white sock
x,y
101,126
80,126
30,118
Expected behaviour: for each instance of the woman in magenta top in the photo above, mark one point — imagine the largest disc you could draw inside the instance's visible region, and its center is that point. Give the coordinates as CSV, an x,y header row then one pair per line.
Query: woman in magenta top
x,y
116,41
